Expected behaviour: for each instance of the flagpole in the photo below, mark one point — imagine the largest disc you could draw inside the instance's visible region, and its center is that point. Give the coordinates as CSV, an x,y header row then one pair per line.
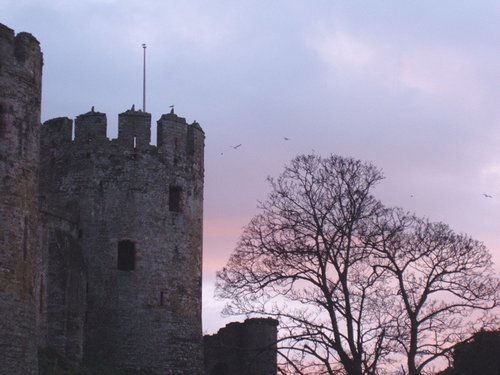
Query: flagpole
x,y
144,78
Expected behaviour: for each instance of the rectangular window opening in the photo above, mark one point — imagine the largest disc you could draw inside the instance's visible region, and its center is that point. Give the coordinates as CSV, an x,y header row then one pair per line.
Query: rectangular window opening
x,y
25,238
174,198
135,142
126,255
40,308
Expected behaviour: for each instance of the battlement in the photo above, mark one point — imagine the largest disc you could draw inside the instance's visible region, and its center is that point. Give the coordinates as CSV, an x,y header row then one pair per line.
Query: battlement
x,y
90,127
57,132
23,48
134,128
175,137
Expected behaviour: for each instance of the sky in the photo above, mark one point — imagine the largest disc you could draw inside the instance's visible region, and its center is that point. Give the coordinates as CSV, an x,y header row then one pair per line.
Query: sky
x,y
411,86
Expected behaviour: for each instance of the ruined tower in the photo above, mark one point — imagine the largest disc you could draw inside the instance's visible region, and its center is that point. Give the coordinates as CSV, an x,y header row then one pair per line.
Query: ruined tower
x,y
247,348
20,95
137,213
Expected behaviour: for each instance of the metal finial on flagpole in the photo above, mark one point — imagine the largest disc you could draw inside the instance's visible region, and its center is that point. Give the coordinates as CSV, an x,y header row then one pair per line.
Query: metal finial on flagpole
x,y
144,79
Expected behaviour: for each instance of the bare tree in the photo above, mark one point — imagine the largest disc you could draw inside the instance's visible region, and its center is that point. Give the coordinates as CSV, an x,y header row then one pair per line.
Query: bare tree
x,y
445,286
357,287
304,259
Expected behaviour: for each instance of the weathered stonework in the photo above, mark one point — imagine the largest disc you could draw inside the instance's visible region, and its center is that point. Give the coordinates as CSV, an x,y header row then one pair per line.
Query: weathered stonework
x,y
20,94
247,348
142,310
101,240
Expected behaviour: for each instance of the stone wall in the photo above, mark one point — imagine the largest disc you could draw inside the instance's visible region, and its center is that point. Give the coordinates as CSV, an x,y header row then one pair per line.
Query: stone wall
x,y
247,348
20,95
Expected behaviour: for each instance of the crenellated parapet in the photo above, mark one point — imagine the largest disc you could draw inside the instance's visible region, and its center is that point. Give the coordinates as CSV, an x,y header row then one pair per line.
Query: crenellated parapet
x,y
177,141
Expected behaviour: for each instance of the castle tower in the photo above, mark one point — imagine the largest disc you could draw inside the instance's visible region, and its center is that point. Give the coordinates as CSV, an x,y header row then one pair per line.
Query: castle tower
x,y
20,95
139,211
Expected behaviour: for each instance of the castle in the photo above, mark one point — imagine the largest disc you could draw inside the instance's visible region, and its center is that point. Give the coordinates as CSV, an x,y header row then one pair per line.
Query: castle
x,y
101,240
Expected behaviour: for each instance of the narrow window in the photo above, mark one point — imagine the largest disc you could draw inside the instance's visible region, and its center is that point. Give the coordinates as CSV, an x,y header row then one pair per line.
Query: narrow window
x,y
21,139
40,308
161,298
174,198
135,142
25,238
126,255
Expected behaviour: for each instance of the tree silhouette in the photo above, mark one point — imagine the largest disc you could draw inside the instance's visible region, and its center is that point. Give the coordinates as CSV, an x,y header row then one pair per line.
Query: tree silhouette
x,y
442,279
354,284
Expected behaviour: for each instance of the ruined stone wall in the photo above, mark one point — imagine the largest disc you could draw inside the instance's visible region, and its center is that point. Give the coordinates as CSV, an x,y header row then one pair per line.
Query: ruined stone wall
x,y
138,210
247,348
20,95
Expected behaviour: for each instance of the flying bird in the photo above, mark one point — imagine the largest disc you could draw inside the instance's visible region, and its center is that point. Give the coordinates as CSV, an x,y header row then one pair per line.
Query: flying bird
x,y
236,147
286,138
487,195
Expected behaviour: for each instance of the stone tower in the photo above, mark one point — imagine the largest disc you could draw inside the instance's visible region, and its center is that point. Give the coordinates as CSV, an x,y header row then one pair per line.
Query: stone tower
x,y
135,212
20,95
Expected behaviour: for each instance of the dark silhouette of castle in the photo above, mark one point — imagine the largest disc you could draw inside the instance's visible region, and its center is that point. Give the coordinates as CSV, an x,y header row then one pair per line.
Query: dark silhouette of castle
x,y
101,240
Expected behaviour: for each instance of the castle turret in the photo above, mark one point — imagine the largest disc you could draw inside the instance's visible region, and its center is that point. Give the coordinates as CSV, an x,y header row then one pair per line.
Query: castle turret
x,y
139,214
20,95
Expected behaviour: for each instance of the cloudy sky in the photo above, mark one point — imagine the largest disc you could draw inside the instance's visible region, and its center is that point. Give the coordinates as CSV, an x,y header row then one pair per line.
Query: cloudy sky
x,y
412,86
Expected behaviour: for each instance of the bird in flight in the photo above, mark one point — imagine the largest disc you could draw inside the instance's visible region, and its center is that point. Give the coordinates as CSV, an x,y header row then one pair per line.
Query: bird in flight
x,y
487,195
286,138
236,147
